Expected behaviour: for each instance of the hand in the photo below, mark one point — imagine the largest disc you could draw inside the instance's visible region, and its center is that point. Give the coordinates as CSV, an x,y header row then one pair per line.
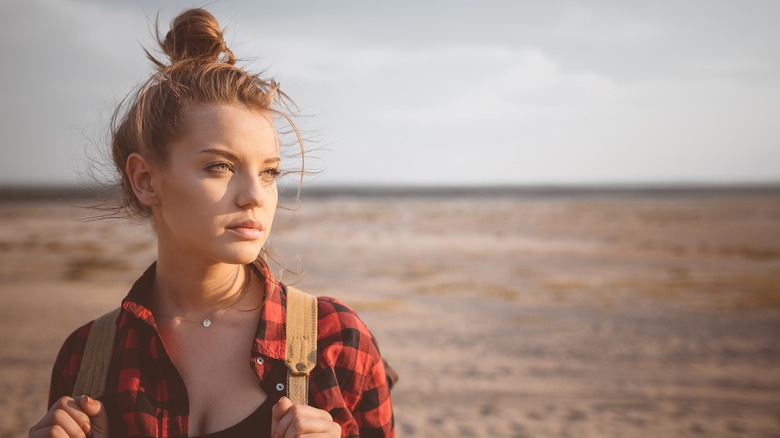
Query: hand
x,y
73,419
288,421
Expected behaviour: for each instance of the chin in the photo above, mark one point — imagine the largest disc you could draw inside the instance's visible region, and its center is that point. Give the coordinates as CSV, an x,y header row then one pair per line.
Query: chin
x,y
242,256
245,260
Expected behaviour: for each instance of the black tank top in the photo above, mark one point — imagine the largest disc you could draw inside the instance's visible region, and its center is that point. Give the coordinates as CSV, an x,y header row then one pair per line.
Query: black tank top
x,y
256,425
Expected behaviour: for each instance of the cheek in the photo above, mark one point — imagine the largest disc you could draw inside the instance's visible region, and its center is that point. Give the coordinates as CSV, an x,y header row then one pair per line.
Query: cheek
x,y
270,207
190,206
271,220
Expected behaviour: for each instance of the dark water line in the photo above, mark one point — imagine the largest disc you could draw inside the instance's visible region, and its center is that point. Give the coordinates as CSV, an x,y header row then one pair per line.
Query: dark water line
x,y
528,193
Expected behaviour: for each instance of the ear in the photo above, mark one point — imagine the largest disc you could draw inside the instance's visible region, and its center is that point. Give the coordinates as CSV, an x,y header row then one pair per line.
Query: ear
x,y
141,175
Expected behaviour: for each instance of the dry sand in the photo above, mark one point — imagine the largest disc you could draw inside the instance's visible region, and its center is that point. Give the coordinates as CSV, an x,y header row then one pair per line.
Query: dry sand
x,y
504,317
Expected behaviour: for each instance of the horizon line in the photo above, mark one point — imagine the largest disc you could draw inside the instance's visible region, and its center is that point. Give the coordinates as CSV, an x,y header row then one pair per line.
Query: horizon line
x,y
43,192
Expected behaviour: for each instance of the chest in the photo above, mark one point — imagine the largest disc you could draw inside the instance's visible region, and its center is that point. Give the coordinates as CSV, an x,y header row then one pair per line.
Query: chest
x,y
213,363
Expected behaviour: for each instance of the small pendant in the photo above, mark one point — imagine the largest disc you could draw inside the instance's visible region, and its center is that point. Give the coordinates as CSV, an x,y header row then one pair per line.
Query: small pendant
x,y
206,322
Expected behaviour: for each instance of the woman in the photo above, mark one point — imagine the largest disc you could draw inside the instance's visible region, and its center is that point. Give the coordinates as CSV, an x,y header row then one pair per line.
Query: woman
x,y
198,154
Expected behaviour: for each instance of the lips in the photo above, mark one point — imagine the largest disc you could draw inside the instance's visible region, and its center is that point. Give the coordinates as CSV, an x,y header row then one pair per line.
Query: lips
x,y
249,229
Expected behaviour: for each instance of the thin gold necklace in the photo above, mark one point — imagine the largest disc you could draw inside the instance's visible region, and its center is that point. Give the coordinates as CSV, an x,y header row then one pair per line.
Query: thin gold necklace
x,y
208,321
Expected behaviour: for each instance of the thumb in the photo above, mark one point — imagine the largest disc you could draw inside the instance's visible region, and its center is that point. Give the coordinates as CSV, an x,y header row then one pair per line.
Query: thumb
x,y
280,408
98,417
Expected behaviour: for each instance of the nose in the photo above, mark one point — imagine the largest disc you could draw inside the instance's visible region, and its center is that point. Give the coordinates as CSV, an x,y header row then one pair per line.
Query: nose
x,y
252,192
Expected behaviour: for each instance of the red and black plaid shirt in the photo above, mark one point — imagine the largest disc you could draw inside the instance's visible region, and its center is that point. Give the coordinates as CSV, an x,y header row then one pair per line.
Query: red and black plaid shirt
x,y
146,397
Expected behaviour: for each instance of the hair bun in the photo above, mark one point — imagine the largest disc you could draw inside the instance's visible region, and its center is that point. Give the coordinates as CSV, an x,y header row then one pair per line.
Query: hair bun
x,y
195,34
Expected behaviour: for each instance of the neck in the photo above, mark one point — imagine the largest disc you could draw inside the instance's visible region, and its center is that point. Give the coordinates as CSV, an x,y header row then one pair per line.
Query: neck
x,y
196,289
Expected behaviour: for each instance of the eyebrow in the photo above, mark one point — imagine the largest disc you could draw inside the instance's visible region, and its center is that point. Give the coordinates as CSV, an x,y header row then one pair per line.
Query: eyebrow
x,y
231,156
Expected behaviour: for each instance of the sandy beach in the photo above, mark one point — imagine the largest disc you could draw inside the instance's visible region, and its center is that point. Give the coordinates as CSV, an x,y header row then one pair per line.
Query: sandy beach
x,y
504,316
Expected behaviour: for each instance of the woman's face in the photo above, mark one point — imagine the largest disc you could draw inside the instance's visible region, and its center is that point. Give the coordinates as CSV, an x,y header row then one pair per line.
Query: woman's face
x,y
216,194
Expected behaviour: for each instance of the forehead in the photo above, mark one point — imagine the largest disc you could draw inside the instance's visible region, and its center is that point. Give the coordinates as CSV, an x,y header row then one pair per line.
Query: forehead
x,y
230,126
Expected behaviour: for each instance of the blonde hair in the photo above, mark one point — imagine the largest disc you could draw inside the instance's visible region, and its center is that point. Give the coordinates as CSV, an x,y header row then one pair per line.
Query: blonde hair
x,y
202,70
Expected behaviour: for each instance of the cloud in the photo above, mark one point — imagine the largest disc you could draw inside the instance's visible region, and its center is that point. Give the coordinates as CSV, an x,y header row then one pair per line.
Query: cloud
x,y
501,83
66,61
536,92
445,83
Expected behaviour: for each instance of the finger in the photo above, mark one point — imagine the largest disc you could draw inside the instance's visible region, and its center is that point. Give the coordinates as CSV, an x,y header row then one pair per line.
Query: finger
x,y
301,420
60,423
66,414
280,408
49,432
309,427
97,415
332,430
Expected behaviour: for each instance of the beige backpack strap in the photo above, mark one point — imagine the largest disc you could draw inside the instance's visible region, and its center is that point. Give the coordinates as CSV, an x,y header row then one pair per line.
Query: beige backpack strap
x,y
97,356
301,355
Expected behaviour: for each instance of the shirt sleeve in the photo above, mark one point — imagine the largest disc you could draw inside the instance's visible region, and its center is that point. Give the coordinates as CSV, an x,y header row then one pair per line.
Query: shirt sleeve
x,y
66,366
352,383
374,413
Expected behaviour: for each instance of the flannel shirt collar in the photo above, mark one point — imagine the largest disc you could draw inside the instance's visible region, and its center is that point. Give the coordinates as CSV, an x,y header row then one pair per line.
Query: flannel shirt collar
x,y
270,338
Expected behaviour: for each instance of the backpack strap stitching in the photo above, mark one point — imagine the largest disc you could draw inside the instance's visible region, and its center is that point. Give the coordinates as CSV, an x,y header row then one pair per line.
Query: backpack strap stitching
x,y
301,348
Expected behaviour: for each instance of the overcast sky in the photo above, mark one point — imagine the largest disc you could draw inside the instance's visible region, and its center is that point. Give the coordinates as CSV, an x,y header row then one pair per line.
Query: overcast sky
x,y
433,92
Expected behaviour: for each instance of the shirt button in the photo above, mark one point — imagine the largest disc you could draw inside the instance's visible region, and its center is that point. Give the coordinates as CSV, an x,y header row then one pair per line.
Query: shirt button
x,y
260,360
279,387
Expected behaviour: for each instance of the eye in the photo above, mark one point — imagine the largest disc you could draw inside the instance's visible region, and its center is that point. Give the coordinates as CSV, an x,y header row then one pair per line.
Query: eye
x,y
270,174
220,167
